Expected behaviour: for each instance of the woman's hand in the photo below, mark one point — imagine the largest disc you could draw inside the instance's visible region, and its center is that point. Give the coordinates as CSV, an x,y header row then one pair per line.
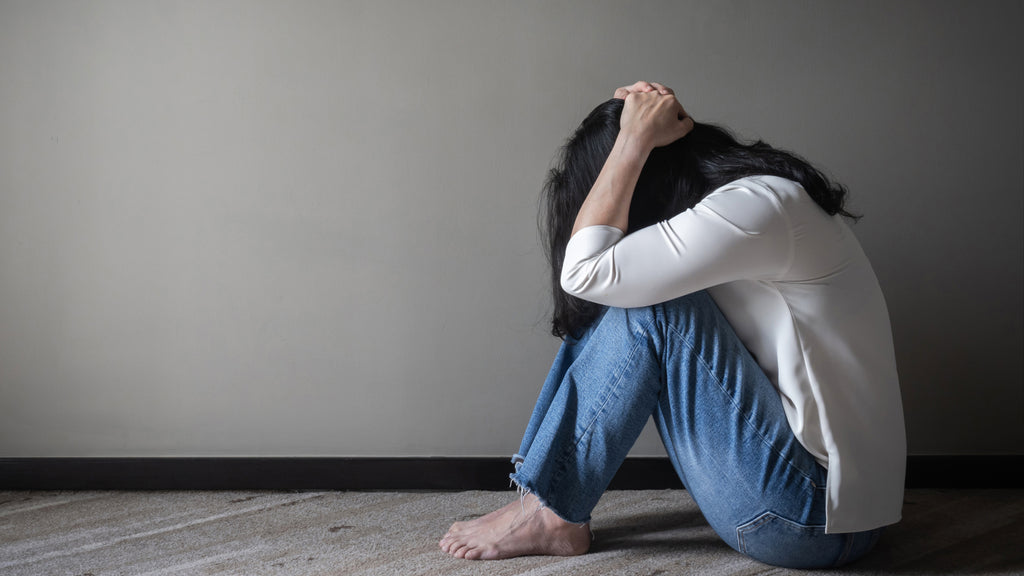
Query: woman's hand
x,y
653,118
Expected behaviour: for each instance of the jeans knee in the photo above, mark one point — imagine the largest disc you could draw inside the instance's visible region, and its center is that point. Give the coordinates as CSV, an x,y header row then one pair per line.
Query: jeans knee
x,y
678,312
695,300
690,311
634,320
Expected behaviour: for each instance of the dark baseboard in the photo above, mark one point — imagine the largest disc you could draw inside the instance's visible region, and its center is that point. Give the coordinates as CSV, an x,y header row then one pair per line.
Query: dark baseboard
x,y
977,471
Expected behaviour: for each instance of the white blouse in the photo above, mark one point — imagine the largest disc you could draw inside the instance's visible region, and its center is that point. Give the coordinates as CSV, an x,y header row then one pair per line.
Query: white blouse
x,y
800,293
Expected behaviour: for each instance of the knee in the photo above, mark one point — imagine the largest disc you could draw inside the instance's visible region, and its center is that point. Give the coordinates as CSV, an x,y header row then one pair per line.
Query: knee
x,y
634,320
695,300
677,312
696,307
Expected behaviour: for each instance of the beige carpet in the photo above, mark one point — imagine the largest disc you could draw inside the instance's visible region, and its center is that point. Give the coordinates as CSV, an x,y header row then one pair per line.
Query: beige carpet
x,y
385,533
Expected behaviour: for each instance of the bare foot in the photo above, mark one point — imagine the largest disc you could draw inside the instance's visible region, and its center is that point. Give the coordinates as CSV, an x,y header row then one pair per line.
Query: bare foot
x,y
518,529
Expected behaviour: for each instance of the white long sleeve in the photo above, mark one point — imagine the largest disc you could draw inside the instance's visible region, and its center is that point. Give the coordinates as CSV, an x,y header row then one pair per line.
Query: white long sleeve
x,y
736,232
798,290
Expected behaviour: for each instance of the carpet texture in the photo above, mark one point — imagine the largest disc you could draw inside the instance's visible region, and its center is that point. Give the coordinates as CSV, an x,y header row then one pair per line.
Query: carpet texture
x,y
392,533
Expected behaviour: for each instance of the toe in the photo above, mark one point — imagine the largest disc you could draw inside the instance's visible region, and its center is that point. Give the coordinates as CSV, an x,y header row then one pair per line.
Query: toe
x,y
460,552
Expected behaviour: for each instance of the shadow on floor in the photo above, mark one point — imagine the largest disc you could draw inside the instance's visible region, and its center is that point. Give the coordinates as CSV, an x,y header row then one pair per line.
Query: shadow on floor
x,y
977,532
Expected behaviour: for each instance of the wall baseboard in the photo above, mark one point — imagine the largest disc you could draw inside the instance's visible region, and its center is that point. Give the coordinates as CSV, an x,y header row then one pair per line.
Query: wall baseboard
x,y
975,471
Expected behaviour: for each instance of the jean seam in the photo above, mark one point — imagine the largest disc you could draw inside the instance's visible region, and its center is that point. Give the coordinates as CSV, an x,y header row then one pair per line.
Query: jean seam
x,y
757,522
559,472
612,393
691,348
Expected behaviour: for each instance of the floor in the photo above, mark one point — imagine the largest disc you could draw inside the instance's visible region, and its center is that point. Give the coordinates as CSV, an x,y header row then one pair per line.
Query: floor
x,y
395,533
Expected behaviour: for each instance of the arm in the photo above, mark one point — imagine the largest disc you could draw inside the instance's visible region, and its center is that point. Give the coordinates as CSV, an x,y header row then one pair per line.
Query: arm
x,y
737,232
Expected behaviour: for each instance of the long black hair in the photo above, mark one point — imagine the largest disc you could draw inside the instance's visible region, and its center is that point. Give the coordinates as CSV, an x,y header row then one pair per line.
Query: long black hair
x,y
674,179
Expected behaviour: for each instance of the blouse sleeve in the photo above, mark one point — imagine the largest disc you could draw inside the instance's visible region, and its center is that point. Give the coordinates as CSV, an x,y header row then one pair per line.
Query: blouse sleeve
x,y
739,231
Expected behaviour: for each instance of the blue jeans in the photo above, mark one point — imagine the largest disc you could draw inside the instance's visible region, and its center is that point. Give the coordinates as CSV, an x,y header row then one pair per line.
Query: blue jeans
x,y
720,418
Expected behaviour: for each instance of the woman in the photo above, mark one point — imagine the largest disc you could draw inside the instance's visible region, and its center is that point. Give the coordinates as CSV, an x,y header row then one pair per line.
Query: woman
x,y
716,286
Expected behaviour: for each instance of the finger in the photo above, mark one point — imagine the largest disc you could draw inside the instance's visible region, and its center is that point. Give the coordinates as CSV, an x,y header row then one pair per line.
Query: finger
x,y
635,87
686,126
661,88
680,111
672,103
686,122
640,86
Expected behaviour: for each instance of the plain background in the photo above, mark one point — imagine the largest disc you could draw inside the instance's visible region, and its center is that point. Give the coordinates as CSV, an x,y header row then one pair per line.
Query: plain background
x,y
309,228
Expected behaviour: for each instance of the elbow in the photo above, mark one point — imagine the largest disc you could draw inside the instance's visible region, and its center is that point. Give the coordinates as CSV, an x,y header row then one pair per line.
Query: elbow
x,y
586,281
572,281
588,267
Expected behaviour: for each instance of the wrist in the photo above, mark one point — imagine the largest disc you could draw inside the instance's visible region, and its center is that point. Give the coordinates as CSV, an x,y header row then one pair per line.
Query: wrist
x,y
630,148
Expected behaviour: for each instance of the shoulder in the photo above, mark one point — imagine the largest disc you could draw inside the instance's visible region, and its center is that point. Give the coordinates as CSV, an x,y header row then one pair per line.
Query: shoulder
x,y
753,200
760,194
771,188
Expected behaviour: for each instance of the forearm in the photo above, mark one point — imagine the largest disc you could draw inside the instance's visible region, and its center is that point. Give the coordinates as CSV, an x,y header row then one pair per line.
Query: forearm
x,y
609,198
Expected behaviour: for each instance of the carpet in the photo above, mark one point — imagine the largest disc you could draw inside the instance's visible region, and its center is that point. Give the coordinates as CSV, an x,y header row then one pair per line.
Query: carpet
x,y
395,533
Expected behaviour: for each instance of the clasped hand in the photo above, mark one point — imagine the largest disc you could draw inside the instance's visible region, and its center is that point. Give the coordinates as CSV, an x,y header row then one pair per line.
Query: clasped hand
x,y
652,116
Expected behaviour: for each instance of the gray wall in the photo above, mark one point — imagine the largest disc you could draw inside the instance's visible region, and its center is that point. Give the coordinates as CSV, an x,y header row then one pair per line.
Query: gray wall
x,y
308,228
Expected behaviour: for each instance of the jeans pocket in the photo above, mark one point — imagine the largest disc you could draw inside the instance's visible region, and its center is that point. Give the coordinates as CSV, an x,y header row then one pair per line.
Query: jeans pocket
x,y
778,541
